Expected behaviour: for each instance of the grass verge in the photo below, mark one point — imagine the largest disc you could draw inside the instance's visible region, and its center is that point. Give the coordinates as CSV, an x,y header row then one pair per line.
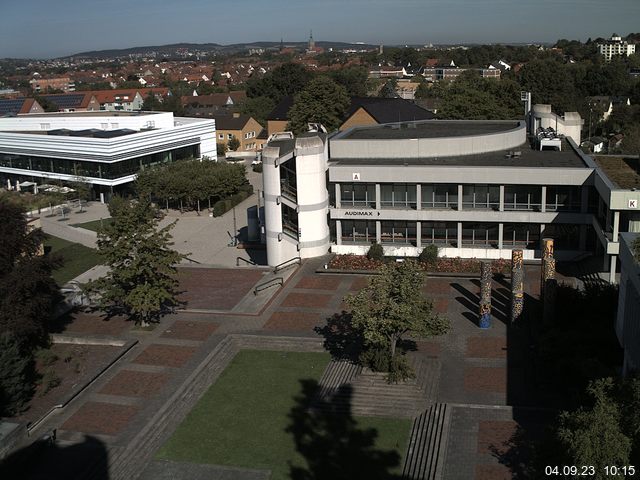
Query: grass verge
x,y
247,419
77,258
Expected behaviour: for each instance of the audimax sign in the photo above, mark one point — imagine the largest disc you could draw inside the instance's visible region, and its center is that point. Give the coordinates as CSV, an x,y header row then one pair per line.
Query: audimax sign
x,y
361,213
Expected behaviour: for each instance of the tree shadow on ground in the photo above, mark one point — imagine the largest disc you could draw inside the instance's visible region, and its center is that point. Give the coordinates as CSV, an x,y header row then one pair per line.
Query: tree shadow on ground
x,y
44,460
331,442
341,340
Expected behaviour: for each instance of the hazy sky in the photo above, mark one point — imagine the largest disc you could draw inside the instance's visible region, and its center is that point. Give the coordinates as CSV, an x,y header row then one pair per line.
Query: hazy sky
x,y
49,28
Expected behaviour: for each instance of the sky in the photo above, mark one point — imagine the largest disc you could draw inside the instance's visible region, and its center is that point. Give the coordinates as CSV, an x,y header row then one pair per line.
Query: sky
x,y
51,28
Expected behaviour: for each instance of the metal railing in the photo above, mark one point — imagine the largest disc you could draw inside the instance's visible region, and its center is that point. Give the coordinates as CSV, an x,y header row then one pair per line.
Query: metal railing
x,y
192,260
278,281
250,262
287,264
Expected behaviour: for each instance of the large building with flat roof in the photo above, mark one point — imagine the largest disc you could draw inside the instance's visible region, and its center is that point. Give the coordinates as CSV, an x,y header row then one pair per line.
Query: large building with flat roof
x,y
476,189
105,149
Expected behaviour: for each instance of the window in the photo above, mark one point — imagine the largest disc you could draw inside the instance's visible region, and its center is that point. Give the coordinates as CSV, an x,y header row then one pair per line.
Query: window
x,y
229,136
398,195
358,231
521,235
563,199
403,233
566,237
480,234
288,181
358,195
45,126
439,196
290,221
442,233
523,197
484,197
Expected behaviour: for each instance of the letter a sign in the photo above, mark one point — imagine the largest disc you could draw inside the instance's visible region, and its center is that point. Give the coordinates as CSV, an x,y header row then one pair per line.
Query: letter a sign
x,y
356,177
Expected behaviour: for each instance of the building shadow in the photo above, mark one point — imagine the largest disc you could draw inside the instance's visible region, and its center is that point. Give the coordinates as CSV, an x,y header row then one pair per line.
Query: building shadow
x,y
331,442
46,460
470,301
341,340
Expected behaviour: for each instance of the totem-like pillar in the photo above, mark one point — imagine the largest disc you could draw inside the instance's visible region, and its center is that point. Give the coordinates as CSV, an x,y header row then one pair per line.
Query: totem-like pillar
x,y
548,281
485,295
517,285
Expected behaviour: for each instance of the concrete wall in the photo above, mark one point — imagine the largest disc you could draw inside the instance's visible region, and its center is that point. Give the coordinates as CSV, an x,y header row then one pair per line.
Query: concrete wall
x,y
628,317
429,147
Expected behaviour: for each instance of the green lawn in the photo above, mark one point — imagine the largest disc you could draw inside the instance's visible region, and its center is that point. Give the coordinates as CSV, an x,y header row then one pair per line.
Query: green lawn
x,y
77,258
93,225
242,420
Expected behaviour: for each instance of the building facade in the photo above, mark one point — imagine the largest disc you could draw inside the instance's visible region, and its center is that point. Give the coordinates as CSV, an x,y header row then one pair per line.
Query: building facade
x,y
105,150
476,189
628,318
616,46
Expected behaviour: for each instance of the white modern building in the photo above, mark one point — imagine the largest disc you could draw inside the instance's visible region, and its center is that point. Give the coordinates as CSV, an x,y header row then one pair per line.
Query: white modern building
x,y
628,318
106,149
476,189
616,46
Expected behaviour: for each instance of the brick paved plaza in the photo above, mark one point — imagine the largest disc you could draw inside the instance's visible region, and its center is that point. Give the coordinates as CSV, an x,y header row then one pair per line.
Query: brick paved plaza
x,y
137,403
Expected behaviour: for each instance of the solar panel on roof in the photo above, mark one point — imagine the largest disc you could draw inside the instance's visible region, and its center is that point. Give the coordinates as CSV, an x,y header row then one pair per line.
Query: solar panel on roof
x,y
11,106
65,101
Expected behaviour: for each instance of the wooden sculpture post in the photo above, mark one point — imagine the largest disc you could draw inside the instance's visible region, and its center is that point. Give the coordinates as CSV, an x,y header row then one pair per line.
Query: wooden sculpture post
x,y
485,295
548,281
517,285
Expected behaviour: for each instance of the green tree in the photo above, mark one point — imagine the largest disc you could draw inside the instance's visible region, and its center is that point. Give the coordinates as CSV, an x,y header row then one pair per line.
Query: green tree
x,y
550,82
322,101
392,305
287,79
354,79
16,368
141,282
258,108
592,436
28,294
233,144
631,140
389,89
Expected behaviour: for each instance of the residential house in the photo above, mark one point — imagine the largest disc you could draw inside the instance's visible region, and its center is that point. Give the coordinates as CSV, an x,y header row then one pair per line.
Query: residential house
x,y
212,105
242,127
10,107
39,84
362,111
616,46
74,102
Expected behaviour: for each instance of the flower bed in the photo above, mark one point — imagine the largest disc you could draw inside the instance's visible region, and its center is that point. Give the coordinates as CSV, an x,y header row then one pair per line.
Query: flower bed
x,y
442,265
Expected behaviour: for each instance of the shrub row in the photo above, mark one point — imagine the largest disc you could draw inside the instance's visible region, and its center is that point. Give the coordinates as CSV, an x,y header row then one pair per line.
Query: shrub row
x,y
223,206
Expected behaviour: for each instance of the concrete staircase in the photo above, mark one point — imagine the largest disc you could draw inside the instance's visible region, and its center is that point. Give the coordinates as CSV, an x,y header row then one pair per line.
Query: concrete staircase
x,y
346,388
427,445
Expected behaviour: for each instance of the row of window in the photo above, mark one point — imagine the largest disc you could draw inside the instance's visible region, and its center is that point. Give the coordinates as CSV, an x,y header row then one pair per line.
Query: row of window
x,y
476,196
82,168
523,235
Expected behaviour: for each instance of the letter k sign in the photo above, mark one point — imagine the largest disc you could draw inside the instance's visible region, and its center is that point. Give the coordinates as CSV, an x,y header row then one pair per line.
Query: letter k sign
x,y
633,203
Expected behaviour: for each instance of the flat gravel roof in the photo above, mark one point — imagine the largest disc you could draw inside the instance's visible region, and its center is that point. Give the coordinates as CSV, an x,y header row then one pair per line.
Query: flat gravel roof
x,y
429,129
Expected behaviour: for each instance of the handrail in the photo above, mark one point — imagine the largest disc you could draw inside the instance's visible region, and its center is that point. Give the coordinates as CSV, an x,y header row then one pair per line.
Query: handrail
x,y
250,262
268,284
287,264
192,260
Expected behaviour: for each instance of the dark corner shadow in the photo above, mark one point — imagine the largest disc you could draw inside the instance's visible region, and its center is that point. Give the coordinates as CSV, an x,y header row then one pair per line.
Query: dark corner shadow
x,y
44,459
520,452
333,445
473,298
340,339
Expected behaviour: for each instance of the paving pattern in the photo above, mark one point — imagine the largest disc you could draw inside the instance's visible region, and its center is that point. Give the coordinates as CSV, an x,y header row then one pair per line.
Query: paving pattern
x,y
135,406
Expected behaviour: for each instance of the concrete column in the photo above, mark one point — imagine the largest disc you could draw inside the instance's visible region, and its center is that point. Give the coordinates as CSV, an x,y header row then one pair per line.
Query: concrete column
x,y
500,235
418,234
338,232
378,230
612,271
541,234
616,225
459,234
418,199
338,196
544,199
517,285
460,190
584,199
378,199
502,198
